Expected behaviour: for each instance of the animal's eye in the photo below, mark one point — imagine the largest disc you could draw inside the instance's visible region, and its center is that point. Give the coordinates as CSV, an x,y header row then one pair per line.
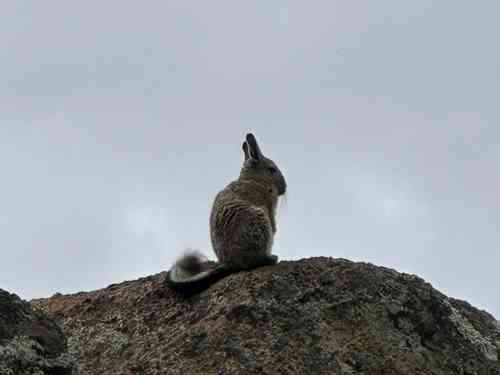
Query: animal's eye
x,y
272,170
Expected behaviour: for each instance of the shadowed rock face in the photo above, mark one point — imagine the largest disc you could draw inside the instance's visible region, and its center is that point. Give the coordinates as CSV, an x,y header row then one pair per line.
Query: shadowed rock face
x,y
30,342
315,316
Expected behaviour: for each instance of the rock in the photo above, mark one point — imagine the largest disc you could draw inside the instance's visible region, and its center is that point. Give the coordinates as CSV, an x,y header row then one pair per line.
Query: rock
x,y
30,342
314,316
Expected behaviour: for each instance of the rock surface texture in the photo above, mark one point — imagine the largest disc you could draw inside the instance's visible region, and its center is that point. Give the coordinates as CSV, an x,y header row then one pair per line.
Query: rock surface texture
x,y
30,342
314,316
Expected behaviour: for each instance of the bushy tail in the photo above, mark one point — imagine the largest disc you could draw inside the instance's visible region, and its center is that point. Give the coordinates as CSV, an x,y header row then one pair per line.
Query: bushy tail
x,y
192,273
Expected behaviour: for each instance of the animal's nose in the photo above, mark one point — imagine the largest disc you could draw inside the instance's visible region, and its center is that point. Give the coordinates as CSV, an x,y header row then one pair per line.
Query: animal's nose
x,y
282,188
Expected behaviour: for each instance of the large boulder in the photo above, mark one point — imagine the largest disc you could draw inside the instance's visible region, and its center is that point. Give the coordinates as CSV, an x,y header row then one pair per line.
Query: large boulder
x,y
314,316
30,342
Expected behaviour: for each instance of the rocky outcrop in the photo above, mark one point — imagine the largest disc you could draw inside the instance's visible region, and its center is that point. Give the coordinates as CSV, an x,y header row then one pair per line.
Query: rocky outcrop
x,y
30,342
315,316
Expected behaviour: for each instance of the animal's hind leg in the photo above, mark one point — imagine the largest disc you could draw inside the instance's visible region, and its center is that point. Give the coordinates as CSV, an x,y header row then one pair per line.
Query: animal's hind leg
x,y
265,260
247,260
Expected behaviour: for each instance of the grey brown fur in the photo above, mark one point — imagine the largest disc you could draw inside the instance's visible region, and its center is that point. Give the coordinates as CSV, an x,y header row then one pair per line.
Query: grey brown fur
x,y
242,224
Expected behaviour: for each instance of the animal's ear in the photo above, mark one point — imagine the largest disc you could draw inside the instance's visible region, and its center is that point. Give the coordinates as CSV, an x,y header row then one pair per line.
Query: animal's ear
x,y
253,148
245,150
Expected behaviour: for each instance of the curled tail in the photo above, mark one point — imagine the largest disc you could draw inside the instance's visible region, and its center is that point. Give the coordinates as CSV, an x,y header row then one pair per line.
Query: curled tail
x,y
192,274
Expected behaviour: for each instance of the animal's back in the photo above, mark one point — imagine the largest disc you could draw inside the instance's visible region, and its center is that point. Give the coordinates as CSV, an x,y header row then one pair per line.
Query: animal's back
x,y
240,224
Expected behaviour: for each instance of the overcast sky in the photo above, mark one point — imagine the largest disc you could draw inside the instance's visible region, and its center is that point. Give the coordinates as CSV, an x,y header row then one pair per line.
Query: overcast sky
x,y
121,120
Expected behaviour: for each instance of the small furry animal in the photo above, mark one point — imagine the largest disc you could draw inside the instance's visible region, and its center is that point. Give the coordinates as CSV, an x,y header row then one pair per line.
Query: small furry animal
x,y
242,225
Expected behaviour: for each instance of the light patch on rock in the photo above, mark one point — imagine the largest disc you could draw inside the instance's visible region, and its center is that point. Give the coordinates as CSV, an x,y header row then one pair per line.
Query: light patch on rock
x,y
467,330
497,325
24,352
100,337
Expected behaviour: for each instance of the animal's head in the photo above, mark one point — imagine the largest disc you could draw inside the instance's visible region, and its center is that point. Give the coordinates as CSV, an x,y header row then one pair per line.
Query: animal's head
x,y
257,167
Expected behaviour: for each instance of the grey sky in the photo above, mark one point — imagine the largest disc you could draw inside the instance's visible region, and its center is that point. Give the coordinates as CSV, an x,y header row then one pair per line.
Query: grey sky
x,y
120,121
